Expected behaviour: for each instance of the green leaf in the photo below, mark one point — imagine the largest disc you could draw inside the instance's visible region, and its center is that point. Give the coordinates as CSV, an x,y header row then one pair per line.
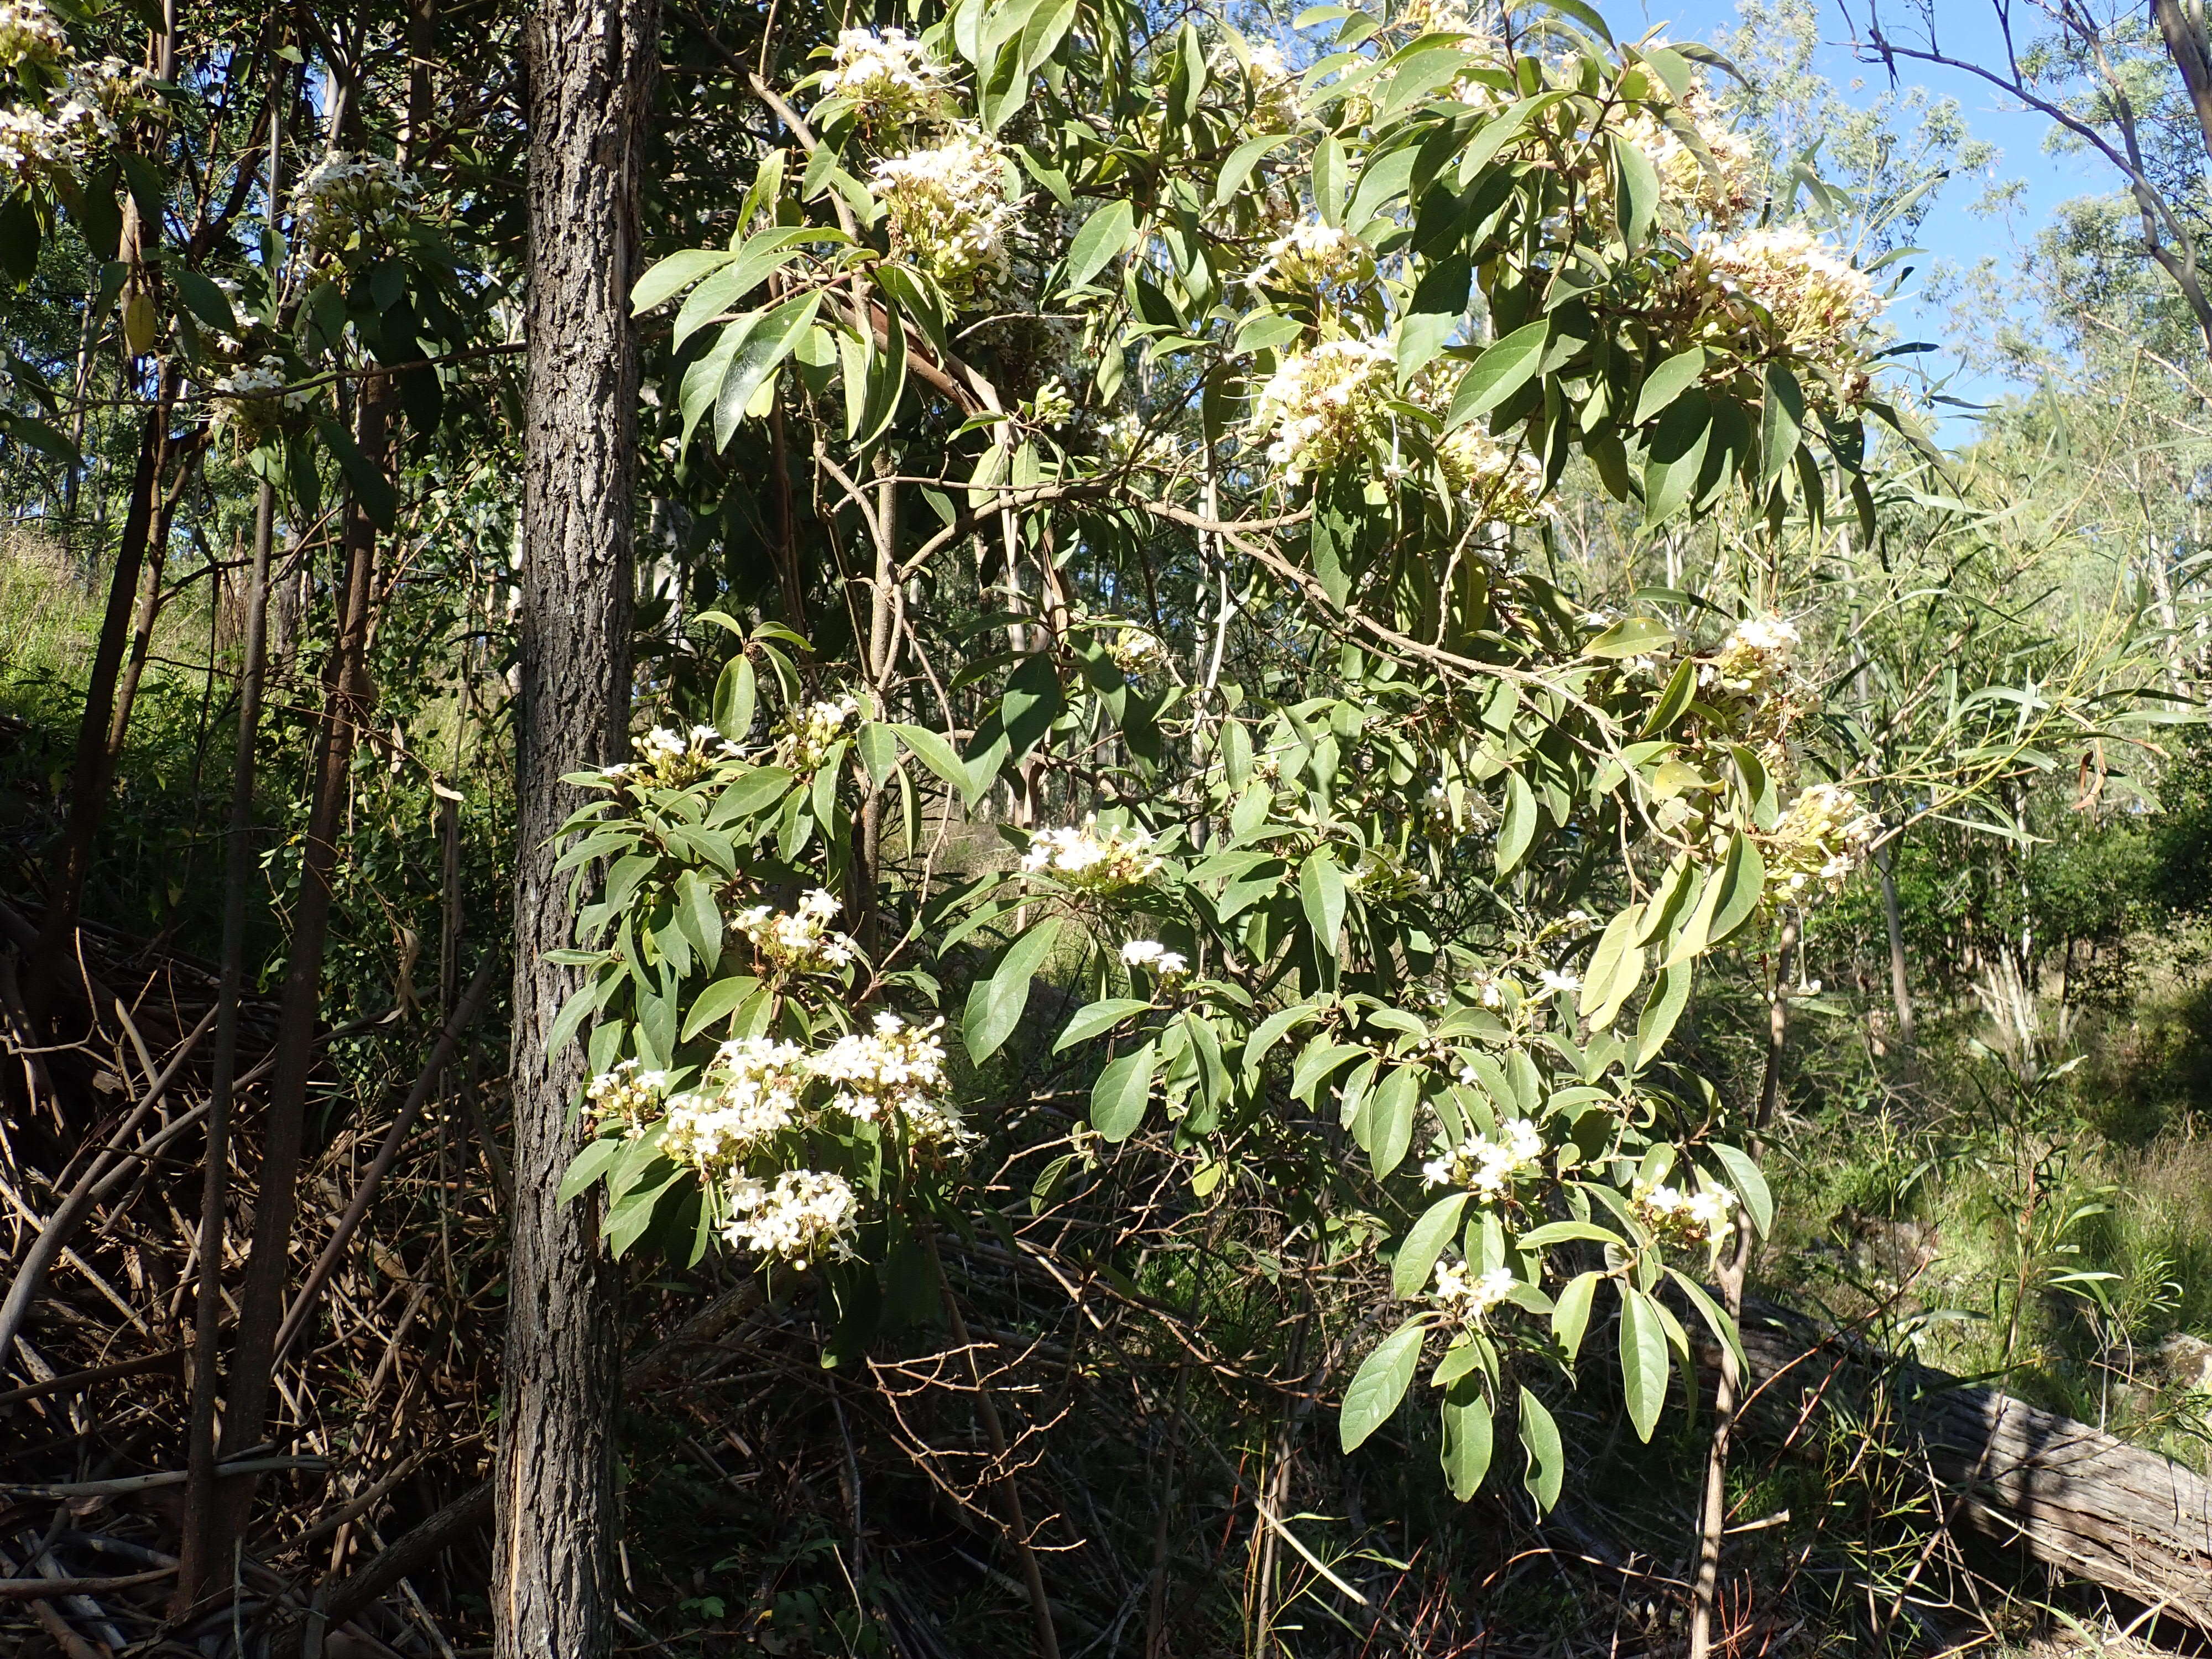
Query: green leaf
x,y
1743,1174
1321,890
588,1165
1379,1384
718,1002
1501,371
765,346
1467,1438
1097,1018
1670,994
766,251
940,757
1242,160
1103,235
1517,825
735,693
1636,191
1547,1459
1642,1359
698,917
1615,969
1667,382
1271,1031
1781,423
1676,457
1716,1318
371,489
1681,687
668,277
704,379
1417,1256
1564,1232
1570,1313
995,1006
1631,636
209,303
1390,1120
1118,1098
1743,882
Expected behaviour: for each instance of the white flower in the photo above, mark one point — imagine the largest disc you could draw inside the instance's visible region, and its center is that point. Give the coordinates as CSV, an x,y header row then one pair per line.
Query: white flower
x,y
1506,485
803,1215
668,759
1325,405
32,147
1136,650
30,34
251,400
1823,837
1780,290
750,1094
1152,954
1488,1168
810,733
894,1072
1092,859
1316,256
801,941
1469,1298
888,73
626,1097
948,212
1705,1217
1553,983
347,201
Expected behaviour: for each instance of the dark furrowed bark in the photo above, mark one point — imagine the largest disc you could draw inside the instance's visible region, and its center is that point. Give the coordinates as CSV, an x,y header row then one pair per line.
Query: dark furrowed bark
x,y
591,72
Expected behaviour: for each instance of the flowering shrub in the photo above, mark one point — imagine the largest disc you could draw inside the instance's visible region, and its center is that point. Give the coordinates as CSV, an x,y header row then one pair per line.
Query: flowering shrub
x,y
30,34
949,213
887,75
1092,858
351,201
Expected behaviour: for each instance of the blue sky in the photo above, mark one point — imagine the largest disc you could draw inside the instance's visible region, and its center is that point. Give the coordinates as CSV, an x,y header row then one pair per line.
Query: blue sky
x,y
1951,232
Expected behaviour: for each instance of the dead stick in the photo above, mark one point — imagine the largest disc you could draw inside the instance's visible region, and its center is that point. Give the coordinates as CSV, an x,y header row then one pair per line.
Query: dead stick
x,y
33,1589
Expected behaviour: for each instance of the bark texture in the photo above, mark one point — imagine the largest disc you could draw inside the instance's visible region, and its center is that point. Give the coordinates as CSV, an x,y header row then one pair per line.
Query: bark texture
x,y
591,76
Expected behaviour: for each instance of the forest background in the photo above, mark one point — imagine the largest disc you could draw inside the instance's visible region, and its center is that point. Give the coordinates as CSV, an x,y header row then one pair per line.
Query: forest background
x,y
1083,1377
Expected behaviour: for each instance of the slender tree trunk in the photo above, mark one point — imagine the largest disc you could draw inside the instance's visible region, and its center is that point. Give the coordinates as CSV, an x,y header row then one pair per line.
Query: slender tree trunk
x,y
1712,1517
347,700
194,1569
148,610
591,63
1901,976
93,770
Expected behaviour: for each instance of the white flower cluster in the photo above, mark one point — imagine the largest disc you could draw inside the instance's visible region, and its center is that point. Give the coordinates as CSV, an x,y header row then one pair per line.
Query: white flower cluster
x,y
668,759
810,732
1274,84
1467,1297
628,1097
1823,837
1154,957
800,941
250,401
1136,650
1488,1167
1128,439
350,199
30,34
1721,194
888,74
949,213
1324,405
1780,290
1317,257
1705,1217
804,1215
1052,405
1752,658
32,147
1091,859
894,1073
1506,485
749,1095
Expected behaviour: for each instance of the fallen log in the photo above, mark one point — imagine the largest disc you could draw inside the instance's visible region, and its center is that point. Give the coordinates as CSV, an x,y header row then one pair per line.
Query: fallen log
x,y
2072,1497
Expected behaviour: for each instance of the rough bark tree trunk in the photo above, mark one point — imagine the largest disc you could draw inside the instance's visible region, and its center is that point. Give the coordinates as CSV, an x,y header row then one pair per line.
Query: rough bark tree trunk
x,y
591,67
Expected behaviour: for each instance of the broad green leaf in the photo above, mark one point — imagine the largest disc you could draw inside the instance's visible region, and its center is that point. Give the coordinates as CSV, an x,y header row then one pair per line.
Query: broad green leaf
x,y
735,694
1741,884
717,1002
1517,825
1417,1256
1667,382
1570,1313
1676,457
995,1005
668,277
588,1166
1615,969
1642,1359
939,756
1242,160
1671,994
1743,1174
765,346
1098,1018
1467,1438
702,381
1118,1098
1390,1120
1501,371
1636,191
1321,890
1631,636
1103,235
1564,1232
1548,1460
1379,1384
